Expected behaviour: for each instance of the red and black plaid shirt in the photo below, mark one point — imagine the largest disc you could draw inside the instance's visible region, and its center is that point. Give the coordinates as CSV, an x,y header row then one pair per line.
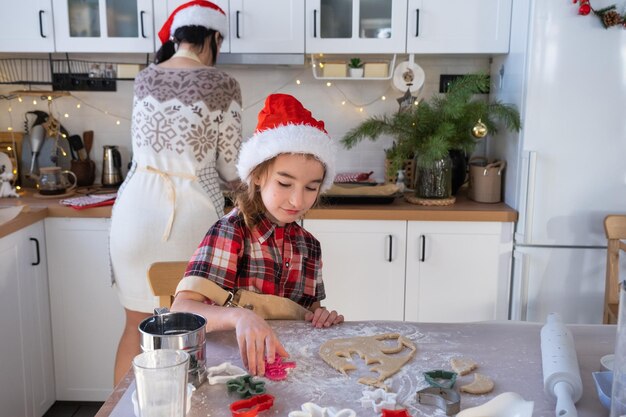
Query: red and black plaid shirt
x,y
269,259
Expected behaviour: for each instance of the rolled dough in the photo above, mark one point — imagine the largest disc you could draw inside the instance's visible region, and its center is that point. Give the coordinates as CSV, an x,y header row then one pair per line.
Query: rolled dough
x,y
463,366
374,350
480,385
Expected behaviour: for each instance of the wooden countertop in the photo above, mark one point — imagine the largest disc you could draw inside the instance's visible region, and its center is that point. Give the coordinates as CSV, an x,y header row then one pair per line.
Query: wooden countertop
x,y
462,210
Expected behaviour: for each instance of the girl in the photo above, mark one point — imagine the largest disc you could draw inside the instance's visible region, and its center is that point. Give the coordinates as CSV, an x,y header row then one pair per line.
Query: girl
x,y
258,256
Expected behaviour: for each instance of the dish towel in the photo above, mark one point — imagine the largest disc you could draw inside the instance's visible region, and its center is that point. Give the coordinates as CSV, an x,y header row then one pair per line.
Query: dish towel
x,y
89,201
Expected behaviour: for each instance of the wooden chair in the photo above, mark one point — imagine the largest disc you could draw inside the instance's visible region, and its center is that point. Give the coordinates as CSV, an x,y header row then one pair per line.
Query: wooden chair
x,y
615,229
163,278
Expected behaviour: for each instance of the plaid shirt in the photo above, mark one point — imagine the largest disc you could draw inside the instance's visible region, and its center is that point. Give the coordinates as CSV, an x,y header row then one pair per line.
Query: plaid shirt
x,y
269,259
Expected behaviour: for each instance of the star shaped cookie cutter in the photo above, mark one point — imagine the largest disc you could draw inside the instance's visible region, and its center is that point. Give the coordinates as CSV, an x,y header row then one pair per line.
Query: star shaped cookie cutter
x,y
445,398
223,373
277,371
245,386
252,406
378,399
314,410
439,378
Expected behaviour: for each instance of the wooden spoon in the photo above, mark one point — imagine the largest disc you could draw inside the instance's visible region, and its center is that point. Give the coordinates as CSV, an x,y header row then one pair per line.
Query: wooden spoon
x,y
88,141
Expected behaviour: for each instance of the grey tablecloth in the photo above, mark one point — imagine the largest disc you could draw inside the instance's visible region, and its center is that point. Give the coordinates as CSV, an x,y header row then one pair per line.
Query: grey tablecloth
x,y
508,352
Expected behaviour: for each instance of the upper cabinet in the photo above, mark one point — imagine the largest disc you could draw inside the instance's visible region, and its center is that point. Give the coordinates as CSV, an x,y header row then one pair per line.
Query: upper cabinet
x,y
104,26
27,27
458,26
269,26
163,9
355,26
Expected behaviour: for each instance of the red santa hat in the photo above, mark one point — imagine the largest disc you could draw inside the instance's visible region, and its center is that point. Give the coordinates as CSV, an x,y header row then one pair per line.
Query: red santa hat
x,y
285,126
195,13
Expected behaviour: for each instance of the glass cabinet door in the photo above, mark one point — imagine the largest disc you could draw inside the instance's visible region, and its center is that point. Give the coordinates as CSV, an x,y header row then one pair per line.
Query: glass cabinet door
x,y
104,26
355,26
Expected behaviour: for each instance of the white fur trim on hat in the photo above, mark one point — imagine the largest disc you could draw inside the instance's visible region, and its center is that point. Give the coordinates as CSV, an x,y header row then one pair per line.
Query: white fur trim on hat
x,y
200,16
298,139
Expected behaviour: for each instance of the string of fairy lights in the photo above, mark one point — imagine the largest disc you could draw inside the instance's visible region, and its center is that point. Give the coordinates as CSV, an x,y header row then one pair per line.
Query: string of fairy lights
x,y
297,80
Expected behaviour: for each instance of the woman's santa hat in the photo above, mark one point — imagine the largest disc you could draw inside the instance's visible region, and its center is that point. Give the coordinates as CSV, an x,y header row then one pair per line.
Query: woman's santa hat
x,y
285,126
195,13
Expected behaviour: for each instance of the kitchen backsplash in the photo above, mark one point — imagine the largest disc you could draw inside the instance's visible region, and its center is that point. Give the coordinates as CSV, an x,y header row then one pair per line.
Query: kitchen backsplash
x,y
338,105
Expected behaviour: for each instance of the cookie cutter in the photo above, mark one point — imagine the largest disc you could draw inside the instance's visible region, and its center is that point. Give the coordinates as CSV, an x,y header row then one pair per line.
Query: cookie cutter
x,y
378,399
245,386
445,398
439,378
314,410
223,373
395,413
252,406
277,371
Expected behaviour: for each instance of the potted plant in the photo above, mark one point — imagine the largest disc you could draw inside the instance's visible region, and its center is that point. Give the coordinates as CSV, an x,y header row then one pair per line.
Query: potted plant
x,y
355,67
454,121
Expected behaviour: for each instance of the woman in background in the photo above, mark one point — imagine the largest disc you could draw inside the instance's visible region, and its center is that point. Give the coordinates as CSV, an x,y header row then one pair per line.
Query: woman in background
x,y
186,134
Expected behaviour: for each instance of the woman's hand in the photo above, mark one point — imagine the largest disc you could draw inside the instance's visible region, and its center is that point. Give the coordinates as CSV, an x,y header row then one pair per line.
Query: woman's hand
x,y
256,341
320,317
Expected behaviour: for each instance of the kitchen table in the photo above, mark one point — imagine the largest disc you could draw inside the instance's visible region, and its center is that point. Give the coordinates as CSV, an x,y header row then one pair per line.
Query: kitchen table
x,y
508,352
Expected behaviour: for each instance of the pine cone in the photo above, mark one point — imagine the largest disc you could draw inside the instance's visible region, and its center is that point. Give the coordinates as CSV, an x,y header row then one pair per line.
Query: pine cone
x,y
611,18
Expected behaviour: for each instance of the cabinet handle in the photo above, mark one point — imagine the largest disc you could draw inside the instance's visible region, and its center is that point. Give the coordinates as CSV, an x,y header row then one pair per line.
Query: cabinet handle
x,y
237,24
315,23
143,35
390,249
417,22
38,255
423,255
41,12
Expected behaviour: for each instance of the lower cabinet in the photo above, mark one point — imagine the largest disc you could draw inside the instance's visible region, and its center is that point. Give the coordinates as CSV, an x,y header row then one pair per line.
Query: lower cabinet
x,y
426,271
87,317
26,367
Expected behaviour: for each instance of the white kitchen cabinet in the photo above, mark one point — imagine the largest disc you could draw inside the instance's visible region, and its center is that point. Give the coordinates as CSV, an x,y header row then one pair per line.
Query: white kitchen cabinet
x,y
163,9
87,317
26,26
457,271
26,366
104,26
363,267
355,26
458,26
269,26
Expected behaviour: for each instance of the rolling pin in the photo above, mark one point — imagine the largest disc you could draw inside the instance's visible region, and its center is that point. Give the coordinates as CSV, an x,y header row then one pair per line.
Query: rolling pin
x,y
561,374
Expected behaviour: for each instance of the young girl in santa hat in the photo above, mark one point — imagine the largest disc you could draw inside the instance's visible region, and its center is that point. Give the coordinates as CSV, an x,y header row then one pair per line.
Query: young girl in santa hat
x,y
258,256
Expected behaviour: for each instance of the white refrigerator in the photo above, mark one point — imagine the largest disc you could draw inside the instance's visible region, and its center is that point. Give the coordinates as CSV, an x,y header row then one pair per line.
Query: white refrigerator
x,y
567,167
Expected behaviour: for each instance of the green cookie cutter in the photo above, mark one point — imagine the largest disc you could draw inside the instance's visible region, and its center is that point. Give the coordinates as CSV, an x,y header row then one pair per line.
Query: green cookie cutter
x,y
245,386
440,379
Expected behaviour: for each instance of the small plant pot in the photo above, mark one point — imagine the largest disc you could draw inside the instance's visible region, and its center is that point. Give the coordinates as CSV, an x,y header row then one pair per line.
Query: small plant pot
x,y
356,72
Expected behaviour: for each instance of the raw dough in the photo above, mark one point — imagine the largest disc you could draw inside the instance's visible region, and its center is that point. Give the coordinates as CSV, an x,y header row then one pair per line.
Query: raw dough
x,y
463,366
373,350
480,385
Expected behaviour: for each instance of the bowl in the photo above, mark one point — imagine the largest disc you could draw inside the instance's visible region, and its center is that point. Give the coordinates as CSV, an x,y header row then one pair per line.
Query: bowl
x,y
604,383
607,362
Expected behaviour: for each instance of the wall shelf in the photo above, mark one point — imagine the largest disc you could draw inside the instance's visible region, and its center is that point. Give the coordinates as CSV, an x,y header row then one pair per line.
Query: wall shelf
x,y
318,62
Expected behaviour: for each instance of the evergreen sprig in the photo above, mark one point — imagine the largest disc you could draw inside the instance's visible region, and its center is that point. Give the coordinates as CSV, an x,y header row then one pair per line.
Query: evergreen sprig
x,y
434,127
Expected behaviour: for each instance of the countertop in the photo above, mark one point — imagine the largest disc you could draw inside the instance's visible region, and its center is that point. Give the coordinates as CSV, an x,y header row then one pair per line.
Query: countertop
x,y
507,352
462,210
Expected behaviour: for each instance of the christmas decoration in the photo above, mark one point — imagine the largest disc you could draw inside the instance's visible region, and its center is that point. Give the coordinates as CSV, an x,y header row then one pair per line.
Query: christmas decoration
x,y
607,15
479,130
406,101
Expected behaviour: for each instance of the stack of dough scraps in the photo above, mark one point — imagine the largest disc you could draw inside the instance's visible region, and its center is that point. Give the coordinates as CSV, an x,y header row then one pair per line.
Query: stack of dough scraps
x,y
481,384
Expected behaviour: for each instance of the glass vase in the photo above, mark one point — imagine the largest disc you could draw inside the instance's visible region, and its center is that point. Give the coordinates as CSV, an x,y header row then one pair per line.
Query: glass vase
x,y
433,178
618,395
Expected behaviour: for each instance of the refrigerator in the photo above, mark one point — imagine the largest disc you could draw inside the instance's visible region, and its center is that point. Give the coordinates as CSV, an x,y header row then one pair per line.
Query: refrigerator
x,y
566,168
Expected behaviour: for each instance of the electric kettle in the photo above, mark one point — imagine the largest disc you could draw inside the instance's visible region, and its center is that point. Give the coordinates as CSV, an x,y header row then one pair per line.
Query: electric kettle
x,y
111,167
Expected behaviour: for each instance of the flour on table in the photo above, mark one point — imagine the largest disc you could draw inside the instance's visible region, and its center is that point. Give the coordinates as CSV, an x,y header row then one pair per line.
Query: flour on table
x,y
374,350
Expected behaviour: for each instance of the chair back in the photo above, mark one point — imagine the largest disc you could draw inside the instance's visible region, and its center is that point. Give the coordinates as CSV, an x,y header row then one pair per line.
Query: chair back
x,y
163,278
615,230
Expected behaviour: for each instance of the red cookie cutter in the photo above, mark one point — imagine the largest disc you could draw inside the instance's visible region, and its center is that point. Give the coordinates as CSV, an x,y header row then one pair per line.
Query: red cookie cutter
x,y
277,371
395,413
252,406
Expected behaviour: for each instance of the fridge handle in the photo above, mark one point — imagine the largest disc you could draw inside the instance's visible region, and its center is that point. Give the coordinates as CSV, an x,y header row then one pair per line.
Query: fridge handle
x,y
518,305
526,205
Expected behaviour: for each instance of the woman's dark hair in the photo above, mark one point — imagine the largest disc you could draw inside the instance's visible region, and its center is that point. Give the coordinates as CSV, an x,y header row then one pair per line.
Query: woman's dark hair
x,y
194,35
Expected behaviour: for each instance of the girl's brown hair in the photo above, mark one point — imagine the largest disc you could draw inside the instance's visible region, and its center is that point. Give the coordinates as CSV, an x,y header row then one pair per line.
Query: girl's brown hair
x,y
248,196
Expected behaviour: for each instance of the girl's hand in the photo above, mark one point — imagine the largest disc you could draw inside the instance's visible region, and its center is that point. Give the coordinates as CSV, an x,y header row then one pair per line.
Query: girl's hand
x,y
321,317
256,341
